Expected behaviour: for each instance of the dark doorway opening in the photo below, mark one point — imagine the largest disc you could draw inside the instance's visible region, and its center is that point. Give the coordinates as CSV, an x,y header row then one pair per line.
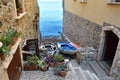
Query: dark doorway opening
x,y
110,46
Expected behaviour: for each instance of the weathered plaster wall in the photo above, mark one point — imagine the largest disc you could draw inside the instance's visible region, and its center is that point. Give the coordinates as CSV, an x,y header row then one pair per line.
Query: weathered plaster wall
x,y
97,11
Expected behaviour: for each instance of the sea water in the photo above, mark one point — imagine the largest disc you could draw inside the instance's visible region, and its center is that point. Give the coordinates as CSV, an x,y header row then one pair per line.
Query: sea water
x,y
51,17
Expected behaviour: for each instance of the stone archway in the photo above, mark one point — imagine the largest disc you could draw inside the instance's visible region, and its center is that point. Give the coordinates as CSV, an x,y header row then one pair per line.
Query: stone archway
x,y
116,58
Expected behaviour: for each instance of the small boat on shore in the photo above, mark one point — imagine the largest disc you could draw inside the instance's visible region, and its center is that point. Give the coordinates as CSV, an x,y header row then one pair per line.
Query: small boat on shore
x,y
66,48
49,47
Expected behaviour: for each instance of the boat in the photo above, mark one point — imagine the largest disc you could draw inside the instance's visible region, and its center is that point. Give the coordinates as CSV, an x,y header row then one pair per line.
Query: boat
x,y
66,48
50,47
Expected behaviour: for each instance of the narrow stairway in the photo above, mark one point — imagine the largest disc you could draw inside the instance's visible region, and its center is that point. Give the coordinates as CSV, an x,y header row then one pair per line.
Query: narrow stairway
x,y
80,73
89,71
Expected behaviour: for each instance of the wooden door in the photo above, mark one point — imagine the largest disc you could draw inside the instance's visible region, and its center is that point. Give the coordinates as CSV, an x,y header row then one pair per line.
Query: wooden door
x,y
14,69
110,47
33,44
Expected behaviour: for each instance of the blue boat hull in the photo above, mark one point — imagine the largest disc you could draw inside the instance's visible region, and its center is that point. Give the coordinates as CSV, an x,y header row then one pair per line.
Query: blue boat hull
x,y
66,48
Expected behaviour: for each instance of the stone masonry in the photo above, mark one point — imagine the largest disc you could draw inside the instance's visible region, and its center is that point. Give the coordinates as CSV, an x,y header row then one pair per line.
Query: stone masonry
x,y
115,69
81,31
23,24
26,23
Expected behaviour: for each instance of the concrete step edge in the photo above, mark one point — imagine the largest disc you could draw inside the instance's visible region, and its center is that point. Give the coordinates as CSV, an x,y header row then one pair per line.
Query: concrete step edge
x,y
88,75
95,77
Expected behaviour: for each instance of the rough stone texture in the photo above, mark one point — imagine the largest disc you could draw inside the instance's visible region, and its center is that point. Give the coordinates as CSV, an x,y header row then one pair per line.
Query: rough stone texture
x,y
49,75
115,65
25,23
86,55
81,31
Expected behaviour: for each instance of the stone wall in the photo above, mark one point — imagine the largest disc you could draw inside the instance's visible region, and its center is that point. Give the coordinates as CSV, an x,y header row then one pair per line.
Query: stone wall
x,y
25,24
81,31
115,69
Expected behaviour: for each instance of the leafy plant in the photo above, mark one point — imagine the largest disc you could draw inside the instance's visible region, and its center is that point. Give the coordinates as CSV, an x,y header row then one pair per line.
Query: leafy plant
x,y
60,68
6,40
58,58
49,58
13,33
32,60
5,50
42,63
43,66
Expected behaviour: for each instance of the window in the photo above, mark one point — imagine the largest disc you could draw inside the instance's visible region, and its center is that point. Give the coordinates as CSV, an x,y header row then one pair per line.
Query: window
x,y
117,0
114,1
83,1
19,8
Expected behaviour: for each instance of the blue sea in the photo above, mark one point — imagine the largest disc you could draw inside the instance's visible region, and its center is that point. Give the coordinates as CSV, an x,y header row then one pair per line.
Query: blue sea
x,y
51,17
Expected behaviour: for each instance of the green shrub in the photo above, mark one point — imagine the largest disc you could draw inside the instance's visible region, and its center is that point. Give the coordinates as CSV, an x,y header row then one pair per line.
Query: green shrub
x,y
58,58
4,50
32,60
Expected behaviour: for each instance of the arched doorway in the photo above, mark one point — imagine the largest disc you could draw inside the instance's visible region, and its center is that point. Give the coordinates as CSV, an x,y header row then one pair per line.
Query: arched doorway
x,y
109,47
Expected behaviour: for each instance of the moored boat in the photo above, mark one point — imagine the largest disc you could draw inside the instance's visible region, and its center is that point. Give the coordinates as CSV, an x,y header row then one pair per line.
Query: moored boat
x,y
66,48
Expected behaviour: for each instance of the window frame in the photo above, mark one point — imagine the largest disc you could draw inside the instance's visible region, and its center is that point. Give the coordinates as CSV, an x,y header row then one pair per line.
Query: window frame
x,y
113,2
83,1
19,15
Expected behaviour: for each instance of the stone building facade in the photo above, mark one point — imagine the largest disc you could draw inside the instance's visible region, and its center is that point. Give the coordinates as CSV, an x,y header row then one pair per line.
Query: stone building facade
x,y
81,31
91,23
25,22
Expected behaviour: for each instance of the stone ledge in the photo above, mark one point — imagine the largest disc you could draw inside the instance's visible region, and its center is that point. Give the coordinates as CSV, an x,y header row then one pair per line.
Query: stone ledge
x,y
12,52
21,15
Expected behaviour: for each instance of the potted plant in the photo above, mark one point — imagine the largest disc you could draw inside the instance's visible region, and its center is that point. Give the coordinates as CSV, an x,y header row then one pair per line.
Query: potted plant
x,y
32,62
19,8
14,34
49,59
10,37
43,65
61,70
59,59
4,50
6,39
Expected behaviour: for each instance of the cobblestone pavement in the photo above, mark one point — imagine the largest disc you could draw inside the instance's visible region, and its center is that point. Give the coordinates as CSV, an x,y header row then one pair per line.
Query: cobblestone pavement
x,y
49,75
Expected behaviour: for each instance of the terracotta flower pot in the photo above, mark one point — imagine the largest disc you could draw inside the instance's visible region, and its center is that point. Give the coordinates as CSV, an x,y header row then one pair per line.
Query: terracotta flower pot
x,y
27,67
51,64
59,63
45,68
15,39
2,56
62,73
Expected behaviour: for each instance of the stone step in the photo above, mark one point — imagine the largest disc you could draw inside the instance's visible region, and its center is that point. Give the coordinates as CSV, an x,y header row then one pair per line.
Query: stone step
x,y
97,69
79,74
88,75
87,67
95,77
74,63
84,74
104,66
107,78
